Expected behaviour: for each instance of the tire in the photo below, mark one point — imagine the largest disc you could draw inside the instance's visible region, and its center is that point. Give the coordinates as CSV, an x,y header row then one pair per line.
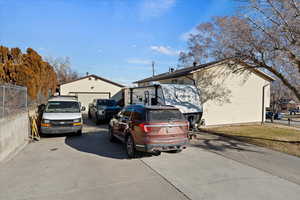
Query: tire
x,y
130,147
111,135
79,133
98,121
157,153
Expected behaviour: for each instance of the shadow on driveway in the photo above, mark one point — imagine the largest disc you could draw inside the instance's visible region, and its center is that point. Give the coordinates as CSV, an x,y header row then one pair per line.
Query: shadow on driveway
x,y
218,143
97,143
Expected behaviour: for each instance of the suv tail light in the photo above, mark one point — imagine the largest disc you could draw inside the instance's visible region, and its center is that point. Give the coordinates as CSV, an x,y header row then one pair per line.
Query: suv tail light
x,y
146,127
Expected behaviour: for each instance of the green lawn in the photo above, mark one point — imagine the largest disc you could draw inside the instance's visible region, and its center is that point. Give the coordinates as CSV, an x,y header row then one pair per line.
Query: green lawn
x,y
281,139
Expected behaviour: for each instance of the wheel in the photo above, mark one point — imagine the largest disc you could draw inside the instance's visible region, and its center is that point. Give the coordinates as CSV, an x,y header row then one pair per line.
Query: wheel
x,y
111,135
98,121
130,147
157,153
79,133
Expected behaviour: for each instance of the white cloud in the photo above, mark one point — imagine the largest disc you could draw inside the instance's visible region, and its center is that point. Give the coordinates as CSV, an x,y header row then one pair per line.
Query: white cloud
x,y
155,8
165,50
138,61
185,36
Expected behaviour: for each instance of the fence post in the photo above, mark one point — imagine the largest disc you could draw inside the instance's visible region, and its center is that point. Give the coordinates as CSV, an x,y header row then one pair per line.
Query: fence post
x,y
26,100
3,98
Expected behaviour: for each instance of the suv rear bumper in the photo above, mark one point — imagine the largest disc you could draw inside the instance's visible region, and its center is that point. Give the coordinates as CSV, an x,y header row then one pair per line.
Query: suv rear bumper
x,y
161,147
60,130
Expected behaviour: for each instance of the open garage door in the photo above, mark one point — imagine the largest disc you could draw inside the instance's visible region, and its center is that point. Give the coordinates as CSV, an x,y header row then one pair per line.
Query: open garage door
x,y
85,98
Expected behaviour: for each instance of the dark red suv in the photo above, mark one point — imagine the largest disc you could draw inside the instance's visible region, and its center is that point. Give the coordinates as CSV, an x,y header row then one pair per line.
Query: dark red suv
x,y
150,129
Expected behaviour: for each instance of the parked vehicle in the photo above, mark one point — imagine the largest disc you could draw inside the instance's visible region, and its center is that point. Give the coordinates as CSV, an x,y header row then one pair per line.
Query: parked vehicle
x,y
62,114
277,116
294,111
269,115
103,110
150,129
182,96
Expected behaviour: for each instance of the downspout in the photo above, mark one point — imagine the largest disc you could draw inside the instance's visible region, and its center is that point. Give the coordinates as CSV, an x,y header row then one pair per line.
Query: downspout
x,y
194,82
263,104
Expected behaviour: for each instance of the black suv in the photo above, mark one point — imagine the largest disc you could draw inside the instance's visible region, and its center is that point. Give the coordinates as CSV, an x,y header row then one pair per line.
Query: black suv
x,y
103,110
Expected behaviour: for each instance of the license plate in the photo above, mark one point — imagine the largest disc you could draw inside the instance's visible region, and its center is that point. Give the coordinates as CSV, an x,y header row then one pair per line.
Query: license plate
x,y
170,129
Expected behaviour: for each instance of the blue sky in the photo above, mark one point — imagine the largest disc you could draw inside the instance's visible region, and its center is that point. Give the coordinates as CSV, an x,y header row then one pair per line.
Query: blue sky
x,y
116,39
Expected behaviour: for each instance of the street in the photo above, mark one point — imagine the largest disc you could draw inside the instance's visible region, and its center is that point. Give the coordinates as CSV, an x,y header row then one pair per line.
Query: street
x,y
285,122
90,167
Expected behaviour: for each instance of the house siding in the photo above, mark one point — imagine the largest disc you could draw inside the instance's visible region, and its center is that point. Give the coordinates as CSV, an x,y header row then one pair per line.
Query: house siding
x,y
243,102
89,88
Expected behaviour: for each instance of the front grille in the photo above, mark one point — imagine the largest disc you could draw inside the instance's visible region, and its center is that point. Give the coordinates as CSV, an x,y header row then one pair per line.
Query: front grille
x,y
64,123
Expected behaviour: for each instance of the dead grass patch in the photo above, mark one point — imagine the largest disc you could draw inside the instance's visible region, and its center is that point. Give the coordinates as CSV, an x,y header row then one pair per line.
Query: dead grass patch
x,y
278,138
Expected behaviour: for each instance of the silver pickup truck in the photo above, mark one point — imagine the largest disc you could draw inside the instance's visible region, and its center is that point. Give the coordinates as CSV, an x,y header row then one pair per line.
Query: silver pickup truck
x,y
62,114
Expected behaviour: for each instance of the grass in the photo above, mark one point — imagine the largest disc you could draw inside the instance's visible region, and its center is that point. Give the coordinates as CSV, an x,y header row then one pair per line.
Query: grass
x,y
278,138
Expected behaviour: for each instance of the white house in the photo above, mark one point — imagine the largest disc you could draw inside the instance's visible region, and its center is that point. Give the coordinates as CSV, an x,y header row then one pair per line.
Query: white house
x,y
228,97
91,87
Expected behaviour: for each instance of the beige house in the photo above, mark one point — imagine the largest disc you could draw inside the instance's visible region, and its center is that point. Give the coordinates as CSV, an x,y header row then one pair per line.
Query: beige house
x,y
91,87
227,97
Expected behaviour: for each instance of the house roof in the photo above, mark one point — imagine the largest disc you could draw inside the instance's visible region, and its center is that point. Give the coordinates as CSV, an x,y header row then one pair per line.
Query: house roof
x,y
96,77
188,70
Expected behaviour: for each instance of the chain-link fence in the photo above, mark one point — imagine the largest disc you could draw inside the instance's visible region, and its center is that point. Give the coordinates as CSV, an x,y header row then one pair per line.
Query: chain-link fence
x,y
13,100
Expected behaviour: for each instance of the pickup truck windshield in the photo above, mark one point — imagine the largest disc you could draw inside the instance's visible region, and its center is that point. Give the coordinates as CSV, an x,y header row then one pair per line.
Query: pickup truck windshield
x,y
106,102
62,107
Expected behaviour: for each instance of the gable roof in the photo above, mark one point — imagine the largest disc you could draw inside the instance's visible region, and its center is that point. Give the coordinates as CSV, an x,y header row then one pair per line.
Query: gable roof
x,y
188,70
96,77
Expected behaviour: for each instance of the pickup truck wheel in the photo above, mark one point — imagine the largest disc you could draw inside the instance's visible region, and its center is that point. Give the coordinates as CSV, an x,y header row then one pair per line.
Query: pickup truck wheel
x,y
111,135
130,147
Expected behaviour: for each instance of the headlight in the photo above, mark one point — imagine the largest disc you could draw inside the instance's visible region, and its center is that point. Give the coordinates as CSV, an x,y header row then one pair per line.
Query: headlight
x,y
77,120
46,121
100,112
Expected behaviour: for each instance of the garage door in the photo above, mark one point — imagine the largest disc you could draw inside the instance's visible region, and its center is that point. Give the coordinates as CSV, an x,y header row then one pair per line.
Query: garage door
x,y
85,98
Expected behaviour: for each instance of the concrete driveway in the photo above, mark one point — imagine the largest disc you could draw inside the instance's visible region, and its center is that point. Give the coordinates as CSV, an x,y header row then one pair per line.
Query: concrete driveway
x,y
90,167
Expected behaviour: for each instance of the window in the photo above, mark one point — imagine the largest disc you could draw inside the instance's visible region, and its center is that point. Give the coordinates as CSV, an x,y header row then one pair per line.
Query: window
x,y
138,114
165,115
62,107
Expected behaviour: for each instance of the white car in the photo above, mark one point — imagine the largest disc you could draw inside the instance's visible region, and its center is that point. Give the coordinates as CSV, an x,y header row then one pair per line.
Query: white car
x,y
62,114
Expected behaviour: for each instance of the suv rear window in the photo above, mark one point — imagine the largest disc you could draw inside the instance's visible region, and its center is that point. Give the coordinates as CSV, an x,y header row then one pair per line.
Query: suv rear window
x,y
165,115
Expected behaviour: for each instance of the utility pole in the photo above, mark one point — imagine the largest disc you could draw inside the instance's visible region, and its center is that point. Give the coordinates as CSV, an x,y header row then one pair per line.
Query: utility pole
x,y
153,68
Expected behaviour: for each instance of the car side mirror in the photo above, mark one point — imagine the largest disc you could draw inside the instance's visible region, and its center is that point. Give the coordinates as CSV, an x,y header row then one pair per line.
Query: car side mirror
x,y
82,108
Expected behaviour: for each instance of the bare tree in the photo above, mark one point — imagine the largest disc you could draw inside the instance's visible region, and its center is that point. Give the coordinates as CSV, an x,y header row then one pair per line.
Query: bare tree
x,y
63,69
279,93
266,37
